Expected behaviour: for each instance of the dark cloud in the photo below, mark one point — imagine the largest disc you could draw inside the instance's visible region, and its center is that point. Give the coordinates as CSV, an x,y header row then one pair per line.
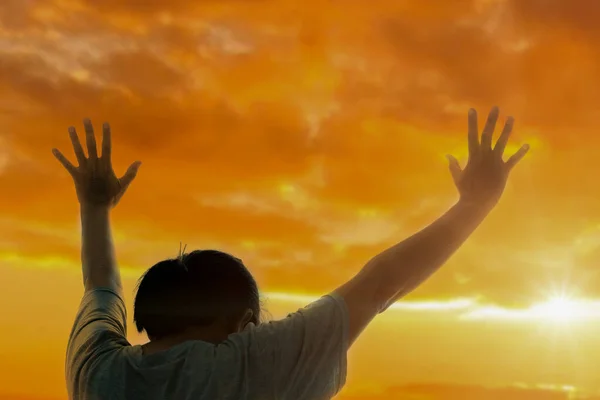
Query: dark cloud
x,y
576,17
15,14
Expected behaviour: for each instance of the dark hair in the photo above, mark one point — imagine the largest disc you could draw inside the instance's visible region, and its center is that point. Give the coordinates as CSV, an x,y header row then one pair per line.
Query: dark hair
x,y
196,289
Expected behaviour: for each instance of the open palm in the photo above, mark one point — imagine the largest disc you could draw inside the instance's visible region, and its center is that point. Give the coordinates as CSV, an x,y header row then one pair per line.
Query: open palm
x,y
484,178
95,180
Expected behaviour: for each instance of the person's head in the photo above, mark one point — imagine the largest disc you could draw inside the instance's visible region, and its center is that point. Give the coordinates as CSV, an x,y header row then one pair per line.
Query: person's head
x,y
204,289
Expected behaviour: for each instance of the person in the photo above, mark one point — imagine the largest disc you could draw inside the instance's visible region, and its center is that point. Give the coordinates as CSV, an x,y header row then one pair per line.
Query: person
x,y
201,310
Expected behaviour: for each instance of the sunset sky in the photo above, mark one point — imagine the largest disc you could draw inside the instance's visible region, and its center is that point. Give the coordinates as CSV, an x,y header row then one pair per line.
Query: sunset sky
x,y
305,136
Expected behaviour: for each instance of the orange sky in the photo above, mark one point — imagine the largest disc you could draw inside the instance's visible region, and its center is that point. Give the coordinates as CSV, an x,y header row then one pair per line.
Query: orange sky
x,y
305,136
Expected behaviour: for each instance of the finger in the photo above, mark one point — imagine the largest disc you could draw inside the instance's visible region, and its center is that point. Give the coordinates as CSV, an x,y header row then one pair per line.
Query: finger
x,y
488,130
473,133
126,179
503,139
130,174
90,139
515,158
455,169
77,146
66,163
106,142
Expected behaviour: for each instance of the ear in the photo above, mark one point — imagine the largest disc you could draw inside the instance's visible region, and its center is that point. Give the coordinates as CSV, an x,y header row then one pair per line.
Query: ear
x,y
245,320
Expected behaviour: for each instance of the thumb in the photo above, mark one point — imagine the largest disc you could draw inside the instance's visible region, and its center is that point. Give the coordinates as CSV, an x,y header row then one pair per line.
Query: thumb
x,y
127,178
130,174
455,169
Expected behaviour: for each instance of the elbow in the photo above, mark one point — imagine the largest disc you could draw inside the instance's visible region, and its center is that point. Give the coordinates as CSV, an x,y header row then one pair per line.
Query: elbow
x,y
388,282
393,280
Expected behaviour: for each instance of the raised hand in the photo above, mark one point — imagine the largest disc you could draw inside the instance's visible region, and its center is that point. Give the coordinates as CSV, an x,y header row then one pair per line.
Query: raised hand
x,y
95,180
484,178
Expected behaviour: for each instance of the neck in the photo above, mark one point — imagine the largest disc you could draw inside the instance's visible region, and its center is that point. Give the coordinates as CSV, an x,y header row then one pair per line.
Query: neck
x,y
211,334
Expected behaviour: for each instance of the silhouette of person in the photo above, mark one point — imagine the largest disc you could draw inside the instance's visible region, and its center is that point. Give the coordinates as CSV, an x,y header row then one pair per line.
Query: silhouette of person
x,y
201,311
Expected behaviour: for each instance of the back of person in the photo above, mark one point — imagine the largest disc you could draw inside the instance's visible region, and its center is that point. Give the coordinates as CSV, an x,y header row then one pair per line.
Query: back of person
x,y
300,357
191,370
201,311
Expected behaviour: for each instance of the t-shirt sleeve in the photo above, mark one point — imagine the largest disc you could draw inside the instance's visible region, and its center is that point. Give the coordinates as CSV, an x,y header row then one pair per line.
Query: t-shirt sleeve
x,y
100,326
301,357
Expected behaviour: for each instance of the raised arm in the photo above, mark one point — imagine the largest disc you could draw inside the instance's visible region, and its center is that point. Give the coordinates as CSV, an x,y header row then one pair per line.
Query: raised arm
x,y
98,191
398,270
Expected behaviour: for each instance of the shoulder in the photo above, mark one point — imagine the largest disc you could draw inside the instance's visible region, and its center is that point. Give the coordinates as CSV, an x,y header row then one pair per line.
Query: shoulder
x,y
101,372
300,356
319,323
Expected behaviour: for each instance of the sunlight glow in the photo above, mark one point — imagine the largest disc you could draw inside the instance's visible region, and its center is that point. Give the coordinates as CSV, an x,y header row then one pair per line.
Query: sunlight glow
x,y
558,309
456,304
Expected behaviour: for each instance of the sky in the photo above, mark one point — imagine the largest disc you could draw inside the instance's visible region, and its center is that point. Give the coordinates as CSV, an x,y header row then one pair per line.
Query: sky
x,y
304,137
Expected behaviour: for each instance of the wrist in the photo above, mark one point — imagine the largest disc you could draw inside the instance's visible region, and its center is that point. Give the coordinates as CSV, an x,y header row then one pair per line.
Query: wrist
x,y
94,209
475,209
95,221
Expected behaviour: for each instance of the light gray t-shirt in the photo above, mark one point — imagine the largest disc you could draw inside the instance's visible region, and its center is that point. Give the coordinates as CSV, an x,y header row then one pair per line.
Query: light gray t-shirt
x,y
302,357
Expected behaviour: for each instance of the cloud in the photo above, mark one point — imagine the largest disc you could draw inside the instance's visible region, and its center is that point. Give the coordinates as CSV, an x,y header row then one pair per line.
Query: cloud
x,y
301,143
431,391
13,396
